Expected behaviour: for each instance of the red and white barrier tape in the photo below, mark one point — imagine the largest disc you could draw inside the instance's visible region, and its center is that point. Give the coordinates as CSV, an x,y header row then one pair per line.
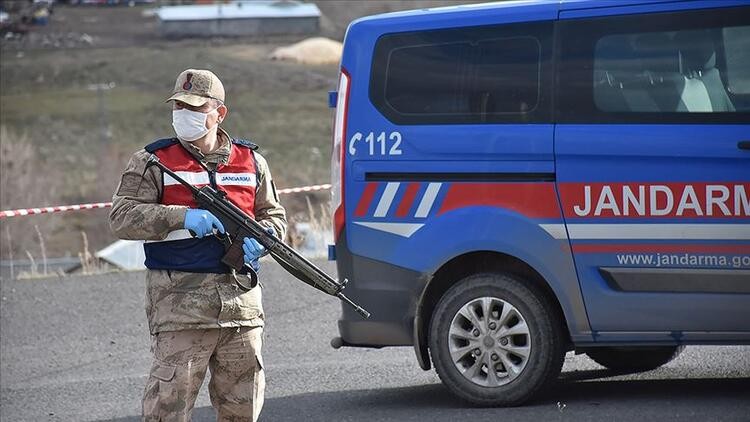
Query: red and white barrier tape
x,y
305,188
61,208
45,210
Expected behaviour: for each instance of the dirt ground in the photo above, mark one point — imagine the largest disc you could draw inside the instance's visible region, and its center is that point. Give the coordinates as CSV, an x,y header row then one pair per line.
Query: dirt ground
x,y
81,94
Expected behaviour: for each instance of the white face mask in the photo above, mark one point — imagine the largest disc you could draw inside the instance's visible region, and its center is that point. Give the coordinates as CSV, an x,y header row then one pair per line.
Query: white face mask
x,y
190,125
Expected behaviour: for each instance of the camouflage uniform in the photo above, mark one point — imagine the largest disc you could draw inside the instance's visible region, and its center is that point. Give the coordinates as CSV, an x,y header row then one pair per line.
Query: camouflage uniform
x,y
197,320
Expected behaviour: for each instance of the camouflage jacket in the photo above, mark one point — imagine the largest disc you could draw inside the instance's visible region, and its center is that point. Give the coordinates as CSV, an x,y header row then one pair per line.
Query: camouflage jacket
x,y
179,300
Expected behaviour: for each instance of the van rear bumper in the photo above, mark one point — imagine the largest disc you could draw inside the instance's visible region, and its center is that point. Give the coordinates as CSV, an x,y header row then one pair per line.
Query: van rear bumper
x,y
388,292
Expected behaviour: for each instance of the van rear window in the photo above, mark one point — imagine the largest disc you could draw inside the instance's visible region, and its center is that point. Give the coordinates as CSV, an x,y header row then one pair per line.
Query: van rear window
x,y
469,75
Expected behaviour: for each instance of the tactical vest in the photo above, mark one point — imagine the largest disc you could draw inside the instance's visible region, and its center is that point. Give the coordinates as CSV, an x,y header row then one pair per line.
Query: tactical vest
x,y
179,251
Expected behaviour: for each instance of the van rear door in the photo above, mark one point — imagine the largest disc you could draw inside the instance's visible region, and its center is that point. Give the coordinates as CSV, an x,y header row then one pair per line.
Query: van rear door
x,y
653,169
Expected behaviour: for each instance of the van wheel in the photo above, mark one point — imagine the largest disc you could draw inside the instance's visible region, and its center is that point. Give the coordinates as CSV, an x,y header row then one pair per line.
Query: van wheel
x,y
494,341
633,359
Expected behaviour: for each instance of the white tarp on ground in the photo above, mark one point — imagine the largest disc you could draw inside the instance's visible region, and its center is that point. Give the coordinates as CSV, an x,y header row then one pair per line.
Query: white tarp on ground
x,y
239,10
124,254
317,50
315,242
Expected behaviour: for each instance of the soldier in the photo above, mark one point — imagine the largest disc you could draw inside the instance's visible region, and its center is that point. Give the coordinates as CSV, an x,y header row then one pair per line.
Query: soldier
x,y
201,314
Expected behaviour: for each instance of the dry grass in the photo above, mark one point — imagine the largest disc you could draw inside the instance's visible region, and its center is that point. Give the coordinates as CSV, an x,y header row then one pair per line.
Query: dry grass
x,y
24,182
90,264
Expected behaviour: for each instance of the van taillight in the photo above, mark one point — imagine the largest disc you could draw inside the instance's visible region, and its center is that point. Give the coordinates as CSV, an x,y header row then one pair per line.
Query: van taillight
x,y
337,154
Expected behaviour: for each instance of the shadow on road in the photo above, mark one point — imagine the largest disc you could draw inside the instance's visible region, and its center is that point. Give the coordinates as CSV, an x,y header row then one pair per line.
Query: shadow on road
x,y
573,395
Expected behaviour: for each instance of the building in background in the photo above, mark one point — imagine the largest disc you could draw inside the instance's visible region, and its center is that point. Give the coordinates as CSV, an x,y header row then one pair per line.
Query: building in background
x,y
240,18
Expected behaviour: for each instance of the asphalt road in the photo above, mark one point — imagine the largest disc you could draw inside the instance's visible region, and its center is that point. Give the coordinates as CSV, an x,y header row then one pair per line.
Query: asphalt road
x,y
77,349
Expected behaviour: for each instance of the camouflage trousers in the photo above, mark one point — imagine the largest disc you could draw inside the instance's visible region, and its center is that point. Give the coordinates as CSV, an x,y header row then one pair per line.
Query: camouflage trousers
x,y
181,359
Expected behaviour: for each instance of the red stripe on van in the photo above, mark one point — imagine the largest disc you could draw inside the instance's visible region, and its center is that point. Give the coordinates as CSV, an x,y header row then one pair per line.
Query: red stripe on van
x,y
533,199
366,199
408,199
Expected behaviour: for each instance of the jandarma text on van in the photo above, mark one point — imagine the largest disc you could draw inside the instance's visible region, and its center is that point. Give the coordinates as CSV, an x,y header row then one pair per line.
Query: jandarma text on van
x,y
692,260
657,200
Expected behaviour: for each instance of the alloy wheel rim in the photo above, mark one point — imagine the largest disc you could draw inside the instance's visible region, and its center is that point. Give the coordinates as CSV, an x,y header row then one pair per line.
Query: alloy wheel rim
x,y
489,341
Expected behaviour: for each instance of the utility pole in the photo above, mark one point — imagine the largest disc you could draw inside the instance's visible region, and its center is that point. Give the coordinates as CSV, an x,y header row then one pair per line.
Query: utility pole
x,y
105,152
106,133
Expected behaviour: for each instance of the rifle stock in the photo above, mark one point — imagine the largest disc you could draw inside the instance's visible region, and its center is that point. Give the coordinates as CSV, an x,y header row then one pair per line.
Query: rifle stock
x,y
239,225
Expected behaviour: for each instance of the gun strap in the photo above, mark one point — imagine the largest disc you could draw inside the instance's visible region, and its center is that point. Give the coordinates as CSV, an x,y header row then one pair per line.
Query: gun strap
x,y
253,279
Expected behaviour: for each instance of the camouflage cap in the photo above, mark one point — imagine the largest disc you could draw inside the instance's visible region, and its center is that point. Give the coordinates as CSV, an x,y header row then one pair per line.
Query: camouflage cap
x,y
196,87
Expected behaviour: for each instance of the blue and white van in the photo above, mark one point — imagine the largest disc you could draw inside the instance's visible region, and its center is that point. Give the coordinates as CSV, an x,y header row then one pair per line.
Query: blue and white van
x,y
517,180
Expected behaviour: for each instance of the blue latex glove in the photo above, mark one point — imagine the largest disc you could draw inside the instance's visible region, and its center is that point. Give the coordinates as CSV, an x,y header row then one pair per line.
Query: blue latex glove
x,y
253,249
202,222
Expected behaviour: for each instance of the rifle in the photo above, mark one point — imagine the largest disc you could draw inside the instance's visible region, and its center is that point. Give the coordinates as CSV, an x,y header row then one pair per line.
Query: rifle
x,y
239,225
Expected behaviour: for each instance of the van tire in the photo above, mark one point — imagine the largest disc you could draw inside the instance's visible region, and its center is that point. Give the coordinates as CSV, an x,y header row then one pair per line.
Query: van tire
x,y
543,332
633,359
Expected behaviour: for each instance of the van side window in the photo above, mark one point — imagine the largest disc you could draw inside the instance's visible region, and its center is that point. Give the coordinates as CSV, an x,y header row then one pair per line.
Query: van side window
x,y
667,67
489,74
737,52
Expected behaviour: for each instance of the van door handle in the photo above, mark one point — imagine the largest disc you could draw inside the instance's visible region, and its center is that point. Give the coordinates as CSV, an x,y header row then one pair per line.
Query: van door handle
x,y
743,144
